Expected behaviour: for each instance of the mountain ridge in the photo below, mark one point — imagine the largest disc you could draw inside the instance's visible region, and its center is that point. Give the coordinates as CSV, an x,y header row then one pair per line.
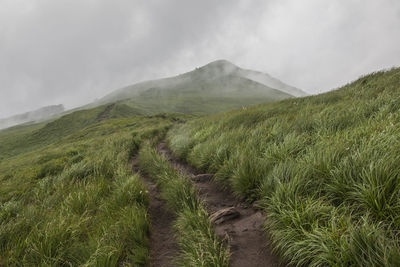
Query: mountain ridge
x,y
217,86
211,71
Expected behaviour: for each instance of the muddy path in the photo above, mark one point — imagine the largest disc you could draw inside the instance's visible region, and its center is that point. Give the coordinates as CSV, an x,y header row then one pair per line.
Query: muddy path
x,y
240,225
163,245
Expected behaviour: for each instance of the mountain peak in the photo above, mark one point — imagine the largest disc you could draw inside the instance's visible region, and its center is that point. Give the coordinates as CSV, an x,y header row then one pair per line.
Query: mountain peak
x,y
220,64
217,68
218,78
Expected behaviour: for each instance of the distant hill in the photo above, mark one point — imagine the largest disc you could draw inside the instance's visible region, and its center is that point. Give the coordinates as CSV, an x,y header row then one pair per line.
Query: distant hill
x,y
32,116
217,86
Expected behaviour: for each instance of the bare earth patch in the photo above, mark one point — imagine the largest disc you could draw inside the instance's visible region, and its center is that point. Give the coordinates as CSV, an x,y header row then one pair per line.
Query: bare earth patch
x,y
163,246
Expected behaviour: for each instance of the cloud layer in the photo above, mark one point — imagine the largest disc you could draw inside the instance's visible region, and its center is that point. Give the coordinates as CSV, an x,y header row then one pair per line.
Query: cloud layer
x,y
71,52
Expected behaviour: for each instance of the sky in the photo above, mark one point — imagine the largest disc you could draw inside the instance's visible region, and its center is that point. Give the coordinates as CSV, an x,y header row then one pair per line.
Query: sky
x,y
72,52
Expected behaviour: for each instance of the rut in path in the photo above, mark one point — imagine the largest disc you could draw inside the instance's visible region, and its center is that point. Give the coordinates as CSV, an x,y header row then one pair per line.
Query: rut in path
x,y
163,246
242,229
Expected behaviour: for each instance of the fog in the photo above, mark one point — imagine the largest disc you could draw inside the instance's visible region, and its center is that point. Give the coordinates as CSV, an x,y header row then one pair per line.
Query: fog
x,y
72,52
32,116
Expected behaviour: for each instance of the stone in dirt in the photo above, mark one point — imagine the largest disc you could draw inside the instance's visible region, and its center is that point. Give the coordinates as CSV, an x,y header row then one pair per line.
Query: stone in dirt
x,y
224,215
202,177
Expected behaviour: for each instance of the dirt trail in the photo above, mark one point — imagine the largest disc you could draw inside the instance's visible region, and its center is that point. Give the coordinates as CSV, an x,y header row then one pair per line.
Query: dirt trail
x,y
242,225
163,246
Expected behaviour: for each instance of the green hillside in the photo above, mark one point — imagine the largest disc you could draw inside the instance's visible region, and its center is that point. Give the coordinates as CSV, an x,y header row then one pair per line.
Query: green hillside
x,y
326,169
217,86
23,138
68,195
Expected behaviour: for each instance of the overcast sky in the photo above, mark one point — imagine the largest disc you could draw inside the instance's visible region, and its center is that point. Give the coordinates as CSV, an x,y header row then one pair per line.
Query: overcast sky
x,y
73,51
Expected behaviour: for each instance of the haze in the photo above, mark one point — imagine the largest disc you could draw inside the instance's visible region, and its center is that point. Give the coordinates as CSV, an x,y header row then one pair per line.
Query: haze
x,y
72,52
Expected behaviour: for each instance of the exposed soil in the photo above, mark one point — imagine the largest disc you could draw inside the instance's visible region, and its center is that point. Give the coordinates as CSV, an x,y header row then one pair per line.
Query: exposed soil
x,y
163,246
243,232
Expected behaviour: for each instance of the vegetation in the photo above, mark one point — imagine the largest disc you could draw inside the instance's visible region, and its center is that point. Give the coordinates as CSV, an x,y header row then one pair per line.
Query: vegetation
x,y
325,168
24,138
215,87
199,246
68,195
195,104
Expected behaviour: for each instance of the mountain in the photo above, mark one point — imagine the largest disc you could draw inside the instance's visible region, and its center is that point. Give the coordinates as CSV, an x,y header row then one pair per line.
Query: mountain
x,y
219,85
32,116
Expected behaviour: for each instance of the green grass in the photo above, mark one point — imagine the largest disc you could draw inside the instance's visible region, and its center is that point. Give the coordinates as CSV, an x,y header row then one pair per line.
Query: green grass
x,y
193,104
21,139
325,168
216,87
69,216
67,192
198,244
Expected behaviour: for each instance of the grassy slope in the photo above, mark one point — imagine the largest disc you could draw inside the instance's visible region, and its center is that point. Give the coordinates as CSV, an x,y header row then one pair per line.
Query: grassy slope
x,y
325,168
67,195
203,91
61,182
204,98
191,105
21,139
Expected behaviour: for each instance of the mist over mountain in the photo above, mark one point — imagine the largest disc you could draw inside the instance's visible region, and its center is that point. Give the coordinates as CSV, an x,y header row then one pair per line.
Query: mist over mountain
x,y
217,86
32,116
218,78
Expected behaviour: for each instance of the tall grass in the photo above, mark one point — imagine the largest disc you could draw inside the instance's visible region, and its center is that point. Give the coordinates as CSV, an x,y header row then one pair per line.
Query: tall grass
x,y
325,168
199,246
76,202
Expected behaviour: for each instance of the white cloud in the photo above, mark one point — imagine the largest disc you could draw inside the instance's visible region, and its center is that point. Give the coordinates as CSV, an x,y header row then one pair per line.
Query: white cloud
x,y
72,52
